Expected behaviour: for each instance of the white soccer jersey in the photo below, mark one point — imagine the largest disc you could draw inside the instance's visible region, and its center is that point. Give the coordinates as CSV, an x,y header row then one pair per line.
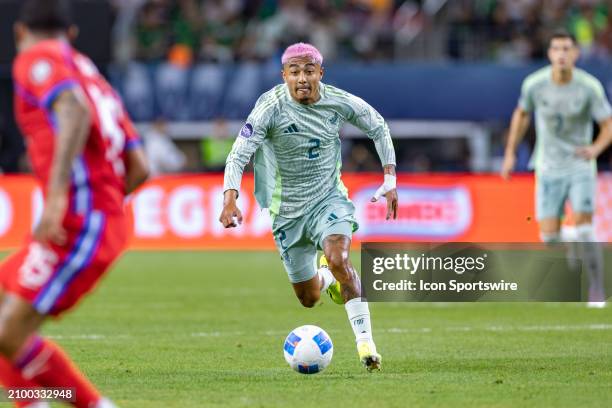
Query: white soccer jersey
x,y
297,147
564,117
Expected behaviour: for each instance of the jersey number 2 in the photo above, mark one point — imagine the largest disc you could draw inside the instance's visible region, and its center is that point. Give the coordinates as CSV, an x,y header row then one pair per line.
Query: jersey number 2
x,y
313,150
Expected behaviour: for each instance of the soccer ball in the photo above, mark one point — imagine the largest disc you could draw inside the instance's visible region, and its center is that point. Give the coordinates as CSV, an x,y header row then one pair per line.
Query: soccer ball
x,y
308,349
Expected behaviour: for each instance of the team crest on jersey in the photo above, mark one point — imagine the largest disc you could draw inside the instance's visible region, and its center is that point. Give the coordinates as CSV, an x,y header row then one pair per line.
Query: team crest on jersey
x,y
246,131
332,122
41,71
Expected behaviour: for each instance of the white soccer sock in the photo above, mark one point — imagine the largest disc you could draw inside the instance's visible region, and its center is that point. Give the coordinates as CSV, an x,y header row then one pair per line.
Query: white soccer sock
x,y
105,403
359,317
592,257
326,277
569,235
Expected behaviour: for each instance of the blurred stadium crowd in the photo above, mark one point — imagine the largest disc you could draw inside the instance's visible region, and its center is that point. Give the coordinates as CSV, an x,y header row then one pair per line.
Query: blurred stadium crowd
x,y
517,30
239,30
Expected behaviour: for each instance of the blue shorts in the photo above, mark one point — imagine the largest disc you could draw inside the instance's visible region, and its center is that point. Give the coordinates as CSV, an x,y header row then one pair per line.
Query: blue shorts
x,y
298,239
552,193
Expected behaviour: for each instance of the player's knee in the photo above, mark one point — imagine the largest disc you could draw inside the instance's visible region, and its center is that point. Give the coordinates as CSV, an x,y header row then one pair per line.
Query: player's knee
x,y
308,299
340,266
338,261
18,321
9,343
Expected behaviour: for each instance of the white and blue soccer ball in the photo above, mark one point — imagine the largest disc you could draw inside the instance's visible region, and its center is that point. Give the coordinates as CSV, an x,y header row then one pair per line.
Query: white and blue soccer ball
x,y
308,349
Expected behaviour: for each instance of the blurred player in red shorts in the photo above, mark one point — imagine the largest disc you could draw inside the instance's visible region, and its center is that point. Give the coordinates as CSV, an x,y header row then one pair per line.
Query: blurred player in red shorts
x,y
87,156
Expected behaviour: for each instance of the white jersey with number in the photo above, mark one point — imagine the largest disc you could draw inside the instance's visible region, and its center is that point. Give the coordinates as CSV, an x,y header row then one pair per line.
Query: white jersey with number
x,y
297,147
564,117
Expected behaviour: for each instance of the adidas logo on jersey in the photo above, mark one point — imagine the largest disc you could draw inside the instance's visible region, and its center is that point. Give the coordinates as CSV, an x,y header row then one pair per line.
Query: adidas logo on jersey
x,y
291,129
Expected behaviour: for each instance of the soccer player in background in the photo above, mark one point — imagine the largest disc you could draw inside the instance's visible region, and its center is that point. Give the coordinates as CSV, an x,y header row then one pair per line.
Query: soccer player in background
x,y
566,100
87,156
293,131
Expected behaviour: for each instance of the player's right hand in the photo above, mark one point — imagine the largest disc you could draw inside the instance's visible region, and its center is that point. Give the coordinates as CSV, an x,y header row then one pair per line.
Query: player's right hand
x,y
231,216
49,228
508,165
587,152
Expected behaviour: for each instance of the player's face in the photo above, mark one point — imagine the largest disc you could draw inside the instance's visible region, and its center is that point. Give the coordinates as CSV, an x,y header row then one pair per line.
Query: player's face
x,y
302,76
562,53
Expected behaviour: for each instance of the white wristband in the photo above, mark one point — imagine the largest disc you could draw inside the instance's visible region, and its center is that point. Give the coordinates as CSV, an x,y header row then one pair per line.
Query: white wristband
x,y
388,185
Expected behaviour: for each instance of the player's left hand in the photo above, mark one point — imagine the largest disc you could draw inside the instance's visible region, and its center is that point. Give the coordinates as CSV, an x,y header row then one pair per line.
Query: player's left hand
x,y
391,197
388,189
587,152
50,229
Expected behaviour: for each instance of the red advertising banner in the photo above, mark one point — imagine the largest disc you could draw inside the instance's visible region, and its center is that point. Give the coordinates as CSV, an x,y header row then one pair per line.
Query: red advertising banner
x,y
181,212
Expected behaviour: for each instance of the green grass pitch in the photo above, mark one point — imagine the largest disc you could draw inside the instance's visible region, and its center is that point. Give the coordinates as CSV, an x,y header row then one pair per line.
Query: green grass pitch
x,y
206,329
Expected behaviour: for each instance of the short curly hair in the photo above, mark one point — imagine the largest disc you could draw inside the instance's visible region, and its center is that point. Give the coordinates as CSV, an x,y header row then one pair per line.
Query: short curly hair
x,y
302,50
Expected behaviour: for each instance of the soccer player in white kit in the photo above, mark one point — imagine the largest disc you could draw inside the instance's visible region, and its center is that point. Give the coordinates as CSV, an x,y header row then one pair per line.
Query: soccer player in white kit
x,y
293,131
565,101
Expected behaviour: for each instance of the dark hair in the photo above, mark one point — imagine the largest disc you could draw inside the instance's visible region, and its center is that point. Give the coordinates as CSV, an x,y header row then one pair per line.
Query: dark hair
x,y
560,34
46,15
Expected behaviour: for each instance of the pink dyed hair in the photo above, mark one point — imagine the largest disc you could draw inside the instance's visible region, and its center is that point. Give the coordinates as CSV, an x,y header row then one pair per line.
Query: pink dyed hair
x,y
302,50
